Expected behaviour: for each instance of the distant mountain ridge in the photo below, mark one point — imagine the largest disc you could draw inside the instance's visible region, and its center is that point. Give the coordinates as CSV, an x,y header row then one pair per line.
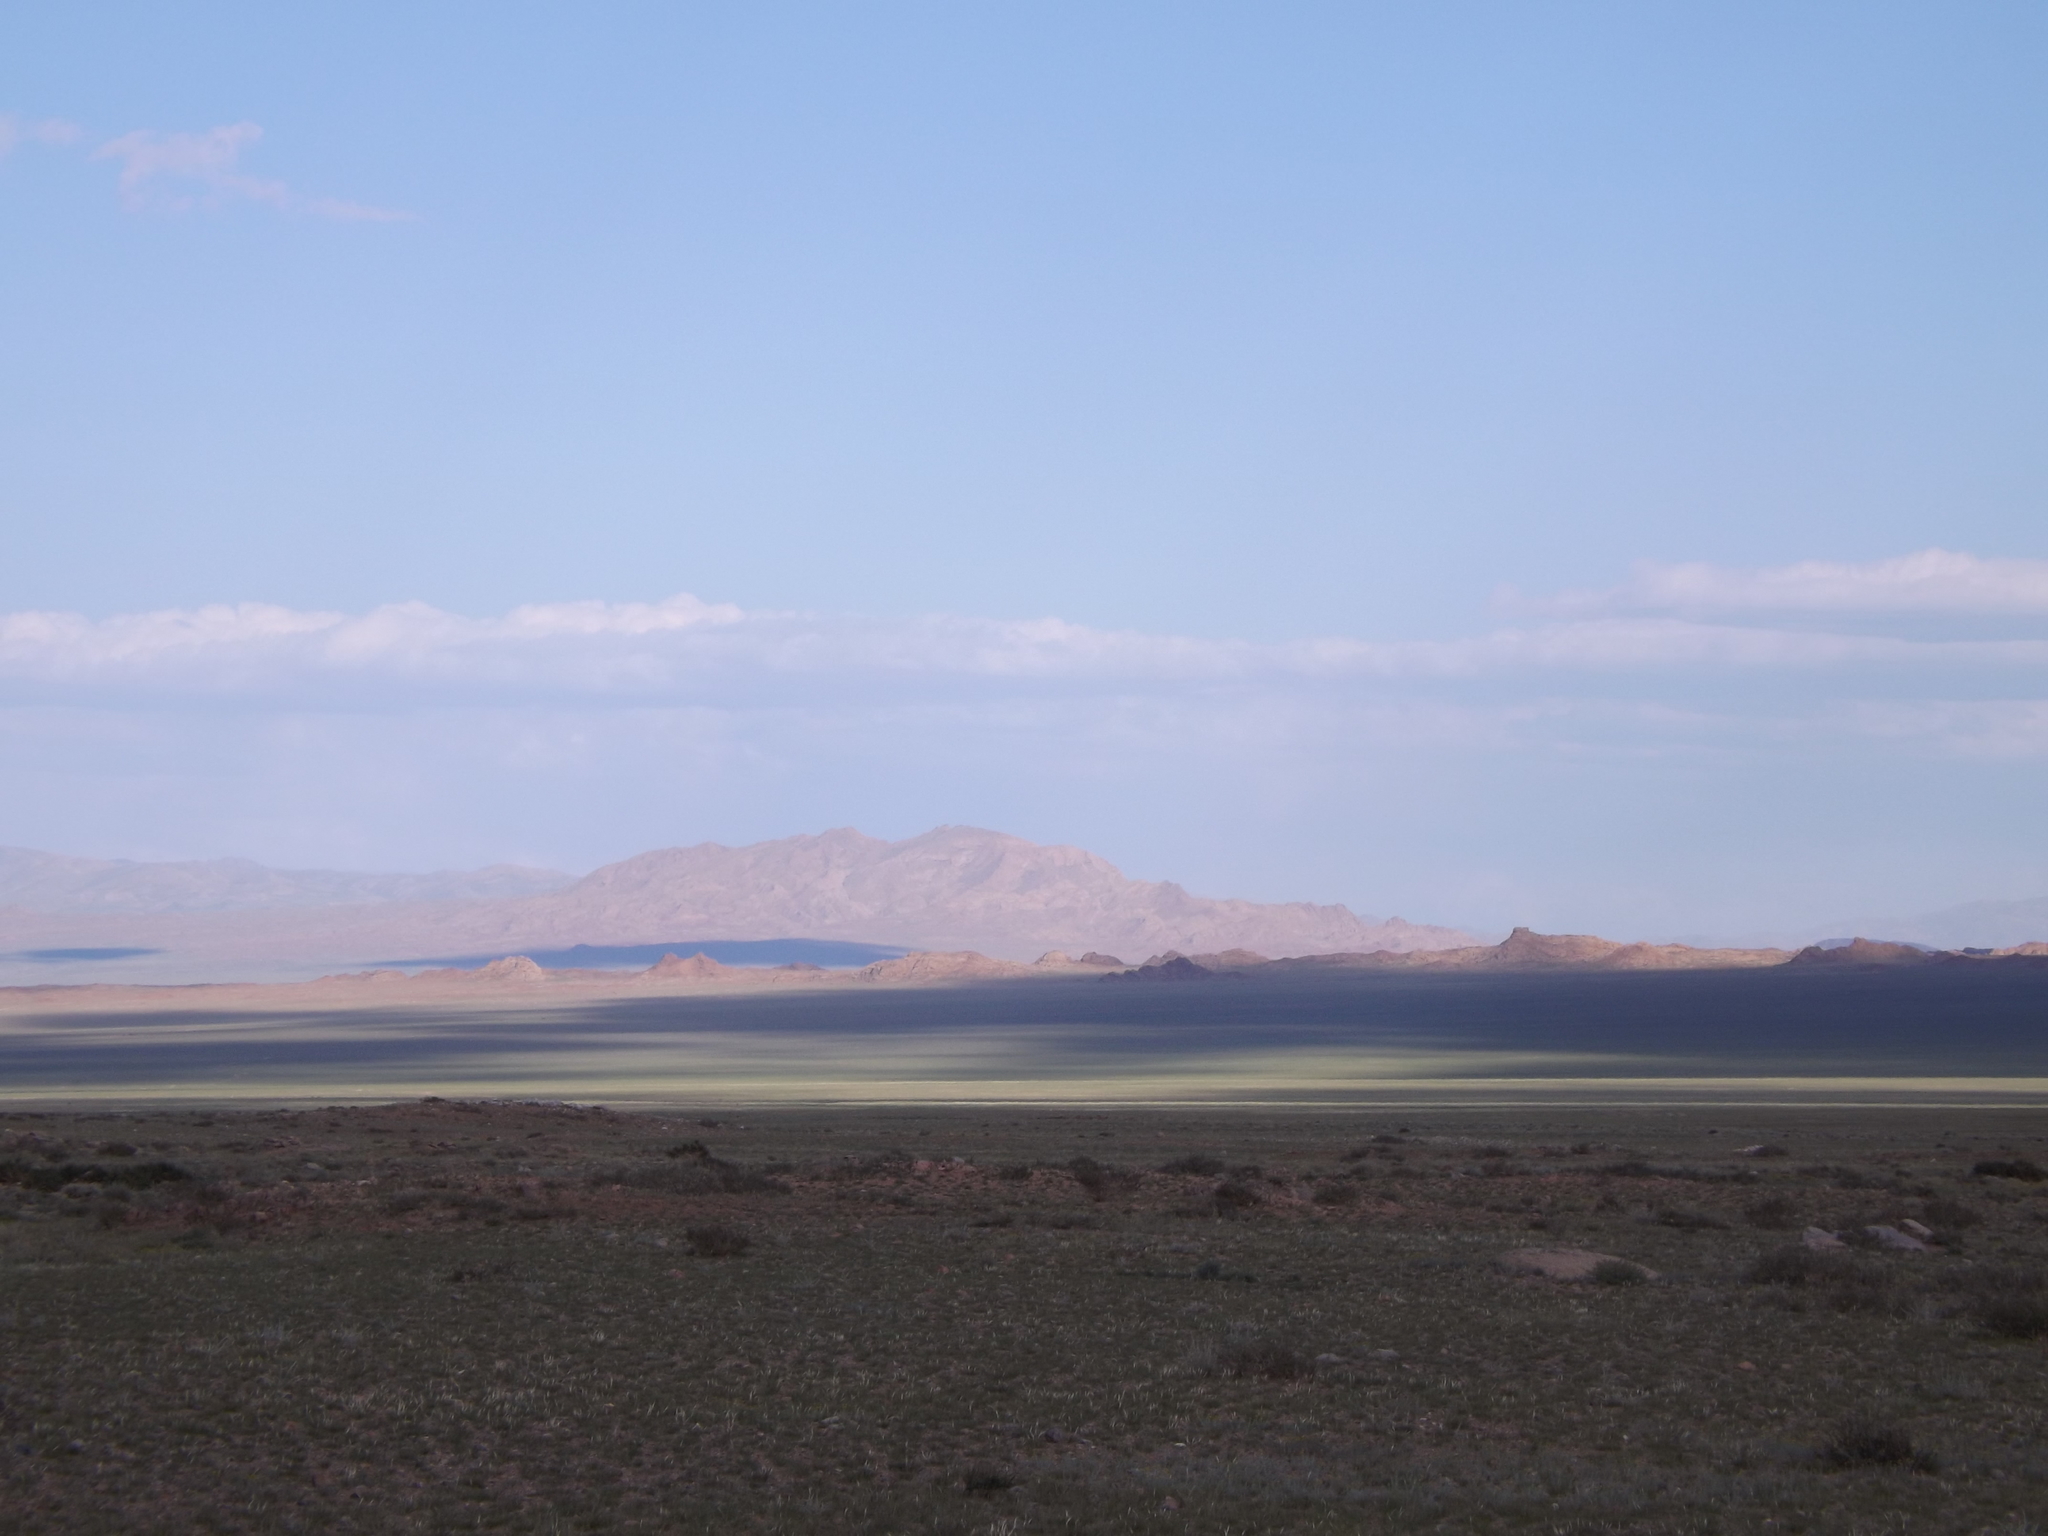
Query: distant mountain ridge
x,y
56,882
953,888
1983,924
949,889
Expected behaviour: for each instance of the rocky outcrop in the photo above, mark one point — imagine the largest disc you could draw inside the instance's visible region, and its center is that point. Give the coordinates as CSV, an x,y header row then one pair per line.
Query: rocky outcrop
x,y
1527,950
1863,952
964,965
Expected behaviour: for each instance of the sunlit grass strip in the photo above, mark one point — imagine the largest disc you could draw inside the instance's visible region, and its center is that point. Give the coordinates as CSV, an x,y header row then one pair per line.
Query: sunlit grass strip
x,y
909,1072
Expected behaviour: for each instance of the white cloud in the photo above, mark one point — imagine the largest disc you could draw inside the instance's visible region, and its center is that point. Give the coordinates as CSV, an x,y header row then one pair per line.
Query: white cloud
x,y
1658,753
180,171
47,130
1932,581
685,649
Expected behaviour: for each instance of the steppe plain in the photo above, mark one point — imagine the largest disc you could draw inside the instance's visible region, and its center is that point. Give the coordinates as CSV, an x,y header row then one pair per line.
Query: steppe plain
x,y
441,1315
1044,1254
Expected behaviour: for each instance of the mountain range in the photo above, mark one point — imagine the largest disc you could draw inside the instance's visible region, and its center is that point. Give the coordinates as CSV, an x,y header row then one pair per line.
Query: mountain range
x,y
953,888
56,882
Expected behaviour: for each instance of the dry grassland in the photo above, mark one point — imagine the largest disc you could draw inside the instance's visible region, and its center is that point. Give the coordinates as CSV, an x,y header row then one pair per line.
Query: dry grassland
x,y
519,1317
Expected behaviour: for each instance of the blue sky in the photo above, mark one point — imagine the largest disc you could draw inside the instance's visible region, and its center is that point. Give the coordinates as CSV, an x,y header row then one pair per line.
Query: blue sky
x,y
1026,393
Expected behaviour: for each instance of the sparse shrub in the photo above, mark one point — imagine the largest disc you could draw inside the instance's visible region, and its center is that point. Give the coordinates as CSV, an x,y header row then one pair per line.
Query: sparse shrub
x,y
50,1179
883,1165
1848,1283
1768,1149
1016,1173
1861,1442
2019,1168
1857,1178
987,1480
691,1176
688,1149
1336,1192
2015,1317
717,1242
116,1149
1792,1266
1231,1195
1777,1214
1091,1176
1633,1168
1199,1164
1691,1221
1496,1152
1265,1355
1949,1215
2010,1301
1618,1272
406,1201
542,1212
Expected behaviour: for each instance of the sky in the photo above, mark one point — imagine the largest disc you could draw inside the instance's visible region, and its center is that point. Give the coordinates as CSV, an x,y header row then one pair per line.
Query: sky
x,y
1569,464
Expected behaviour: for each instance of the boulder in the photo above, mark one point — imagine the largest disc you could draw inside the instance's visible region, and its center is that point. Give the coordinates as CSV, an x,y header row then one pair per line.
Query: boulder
x,y
1820,1240
1563,1263
1894,1239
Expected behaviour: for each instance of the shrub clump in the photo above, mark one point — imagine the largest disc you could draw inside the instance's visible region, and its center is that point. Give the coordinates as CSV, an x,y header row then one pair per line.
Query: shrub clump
x,y
1849,1283
1777,1214
988,1480
1199,1164
2023,1169
1336,1192
1691,1221
691,1175
1091,1176
1618,1272
1232,1195
1863,1442
1949,1215
2010,1301
51,1179
1264,1355
717,1242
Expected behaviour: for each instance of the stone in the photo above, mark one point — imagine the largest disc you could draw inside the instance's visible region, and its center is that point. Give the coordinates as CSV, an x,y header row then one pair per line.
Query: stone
x,y
1818,1238
1894,1239
1563,1263
1914,1229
